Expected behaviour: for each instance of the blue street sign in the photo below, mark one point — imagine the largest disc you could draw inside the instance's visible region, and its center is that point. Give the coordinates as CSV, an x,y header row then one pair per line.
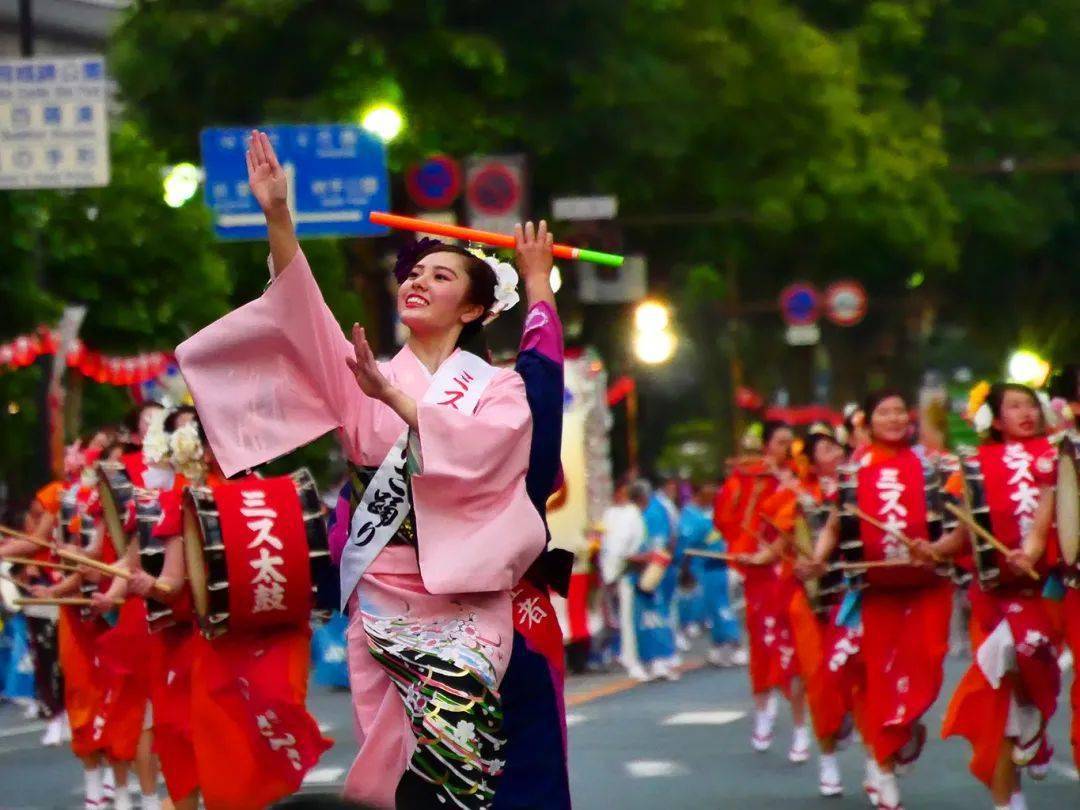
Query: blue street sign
x,y
337,176
799,304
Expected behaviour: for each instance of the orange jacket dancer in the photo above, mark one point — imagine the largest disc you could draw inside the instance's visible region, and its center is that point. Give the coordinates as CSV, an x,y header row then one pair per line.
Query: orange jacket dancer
x,y
737,515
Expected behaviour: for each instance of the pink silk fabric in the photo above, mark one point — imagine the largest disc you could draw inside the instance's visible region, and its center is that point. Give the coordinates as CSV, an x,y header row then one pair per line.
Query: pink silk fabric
x,y
271,376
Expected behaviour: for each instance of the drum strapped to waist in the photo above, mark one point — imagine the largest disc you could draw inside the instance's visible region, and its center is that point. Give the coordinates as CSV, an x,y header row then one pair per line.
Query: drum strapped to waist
x,y
116,492
69,511
1067,502
255,551
151,554
985,558
828,589
89,586
851,545
939,520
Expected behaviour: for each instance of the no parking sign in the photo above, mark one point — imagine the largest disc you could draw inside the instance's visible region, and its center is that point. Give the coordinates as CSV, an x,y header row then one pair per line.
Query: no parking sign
x,y
495,192
799,304
435,182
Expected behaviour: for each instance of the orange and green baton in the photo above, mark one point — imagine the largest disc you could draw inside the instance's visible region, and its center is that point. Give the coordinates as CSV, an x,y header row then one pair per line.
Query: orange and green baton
x,y
487,237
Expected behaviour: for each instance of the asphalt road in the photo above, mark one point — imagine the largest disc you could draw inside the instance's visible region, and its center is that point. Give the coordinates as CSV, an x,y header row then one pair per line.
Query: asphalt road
x,y
661,745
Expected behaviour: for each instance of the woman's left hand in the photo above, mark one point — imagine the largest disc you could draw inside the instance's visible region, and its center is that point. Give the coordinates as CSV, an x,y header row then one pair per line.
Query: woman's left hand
x,y
532,252
365,369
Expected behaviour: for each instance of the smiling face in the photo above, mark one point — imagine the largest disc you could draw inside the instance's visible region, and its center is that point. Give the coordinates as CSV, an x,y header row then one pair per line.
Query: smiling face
x,y
1020,417
889,422
434,297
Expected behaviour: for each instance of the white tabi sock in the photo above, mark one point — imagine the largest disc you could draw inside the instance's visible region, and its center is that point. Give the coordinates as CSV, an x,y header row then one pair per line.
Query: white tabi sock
x,y
95,790
150,801
888,790
1017,802
122,798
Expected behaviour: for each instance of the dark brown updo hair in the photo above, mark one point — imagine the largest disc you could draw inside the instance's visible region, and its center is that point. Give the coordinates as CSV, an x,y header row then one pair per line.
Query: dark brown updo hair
x,y
996,398
481,291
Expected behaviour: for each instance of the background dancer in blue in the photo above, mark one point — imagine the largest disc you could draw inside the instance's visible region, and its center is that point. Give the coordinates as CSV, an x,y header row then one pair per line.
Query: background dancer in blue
x,y
652,611
696,532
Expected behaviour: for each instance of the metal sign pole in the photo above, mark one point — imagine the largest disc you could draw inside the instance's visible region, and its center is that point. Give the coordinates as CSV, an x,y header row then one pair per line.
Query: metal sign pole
x,y
26,28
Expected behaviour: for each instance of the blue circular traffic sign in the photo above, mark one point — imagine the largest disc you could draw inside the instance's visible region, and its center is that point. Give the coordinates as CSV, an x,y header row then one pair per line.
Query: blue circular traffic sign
x,y
434,183
800,304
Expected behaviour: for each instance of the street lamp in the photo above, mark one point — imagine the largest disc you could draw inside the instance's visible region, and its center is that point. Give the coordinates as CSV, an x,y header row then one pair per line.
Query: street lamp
x,y
654,348
654,343
180,184
384,121
1028,368
651,316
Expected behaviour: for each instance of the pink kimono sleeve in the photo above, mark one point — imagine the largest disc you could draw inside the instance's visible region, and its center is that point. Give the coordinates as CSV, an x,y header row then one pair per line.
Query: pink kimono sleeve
x,y
543,332
271,375
478,531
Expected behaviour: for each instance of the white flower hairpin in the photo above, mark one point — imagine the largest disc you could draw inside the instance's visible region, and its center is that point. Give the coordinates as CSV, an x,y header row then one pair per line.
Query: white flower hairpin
x,y
156,440
506,284
186,452
983,419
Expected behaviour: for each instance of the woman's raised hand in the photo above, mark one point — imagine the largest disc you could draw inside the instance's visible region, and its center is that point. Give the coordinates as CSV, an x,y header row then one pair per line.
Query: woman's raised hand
x,y
364,367
265,175
532,248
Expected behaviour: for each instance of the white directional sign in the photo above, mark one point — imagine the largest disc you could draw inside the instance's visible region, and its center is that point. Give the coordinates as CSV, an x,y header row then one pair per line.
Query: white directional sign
x,y
53,126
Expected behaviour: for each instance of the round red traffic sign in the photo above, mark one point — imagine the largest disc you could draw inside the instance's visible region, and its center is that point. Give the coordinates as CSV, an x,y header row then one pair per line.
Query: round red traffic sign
x,y
435,182
845,302
799,304
494,189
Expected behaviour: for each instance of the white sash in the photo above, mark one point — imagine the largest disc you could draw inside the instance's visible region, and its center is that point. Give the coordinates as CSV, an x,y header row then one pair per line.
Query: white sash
x,y
459,383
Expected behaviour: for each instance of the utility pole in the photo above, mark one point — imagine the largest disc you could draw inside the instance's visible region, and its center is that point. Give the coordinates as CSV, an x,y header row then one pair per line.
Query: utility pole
x,y
26,28
735,367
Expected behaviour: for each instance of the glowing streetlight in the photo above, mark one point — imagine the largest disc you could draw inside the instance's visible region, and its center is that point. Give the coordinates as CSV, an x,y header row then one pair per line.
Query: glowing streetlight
x,y
651,316
181,183
654,348
1028,368
384,121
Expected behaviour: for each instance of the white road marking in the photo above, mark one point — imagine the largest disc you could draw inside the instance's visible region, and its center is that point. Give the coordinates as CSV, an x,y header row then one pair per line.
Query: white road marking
x,y
29,728
1068,771
652,768
323,776
325,727
720,717
574,718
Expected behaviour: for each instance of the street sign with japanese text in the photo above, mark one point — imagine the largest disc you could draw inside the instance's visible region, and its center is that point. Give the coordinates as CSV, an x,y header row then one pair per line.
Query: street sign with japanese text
x,y
54,129
337,176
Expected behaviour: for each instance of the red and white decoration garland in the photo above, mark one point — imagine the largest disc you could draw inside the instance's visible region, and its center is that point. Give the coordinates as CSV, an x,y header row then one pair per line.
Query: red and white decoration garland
x,y
102,368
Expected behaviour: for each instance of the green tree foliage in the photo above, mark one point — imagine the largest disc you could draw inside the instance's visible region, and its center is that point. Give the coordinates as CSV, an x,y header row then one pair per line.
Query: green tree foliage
x,y
750,142
1001,76
147,273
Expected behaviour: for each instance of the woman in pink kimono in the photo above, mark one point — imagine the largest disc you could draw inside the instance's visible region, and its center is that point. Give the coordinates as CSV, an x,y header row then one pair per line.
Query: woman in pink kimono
x,y
443,527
